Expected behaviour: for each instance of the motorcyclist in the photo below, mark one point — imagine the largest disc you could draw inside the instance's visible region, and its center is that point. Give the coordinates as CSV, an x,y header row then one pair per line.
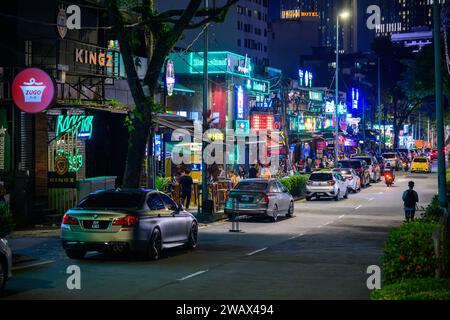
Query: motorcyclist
x,y
389,171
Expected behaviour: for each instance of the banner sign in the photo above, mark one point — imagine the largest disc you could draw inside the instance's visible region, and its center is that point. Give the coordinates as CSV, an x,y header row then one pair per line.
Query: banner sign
x,y
65,181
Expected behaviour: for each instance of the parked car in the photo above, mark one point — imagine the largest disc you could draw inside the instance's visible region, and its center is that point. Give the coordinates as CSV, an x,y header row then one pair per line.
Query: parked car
x,y
353,179
5,263
360,167
260,198
421,164
381,164
374,167
392,159
326,184
138,220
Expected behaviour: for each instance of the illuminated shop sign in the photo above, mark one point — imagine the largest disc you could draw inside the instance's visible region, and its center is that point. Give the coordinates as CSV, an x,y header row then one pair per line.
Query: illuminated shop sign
x,y
242,127
33,90
80,125
219,62
297,13
216,136
170,77
309,123
355,98
306,78
329,107
240,103
258,86
315,95
262,122
100,58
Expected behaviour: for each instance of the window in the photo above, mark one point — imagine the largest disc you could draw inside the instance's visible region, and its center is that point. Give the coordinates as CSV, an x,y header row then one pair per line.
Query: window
x,y
274,187
253,186
113,200
154,202
169,203
239,42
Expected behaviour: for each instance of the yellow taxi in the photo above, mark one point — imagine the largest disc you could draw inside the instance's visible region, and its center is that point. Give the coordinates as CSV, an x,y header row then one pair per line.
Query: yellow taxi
x,y
421,164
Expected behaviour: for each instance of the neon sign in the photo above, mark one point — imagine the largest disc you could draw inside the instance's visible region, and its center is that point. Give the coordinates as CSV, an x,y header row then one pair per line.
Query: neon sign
x,y
75,158
355,98
240,102
262,122
81,125
315,95
242,127
170,77
306,78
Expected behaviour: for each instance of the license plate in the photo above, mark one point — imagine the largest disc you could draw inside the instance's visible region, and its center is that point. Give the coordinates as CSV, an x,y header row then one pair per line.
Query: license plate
x,y
246,199
95,224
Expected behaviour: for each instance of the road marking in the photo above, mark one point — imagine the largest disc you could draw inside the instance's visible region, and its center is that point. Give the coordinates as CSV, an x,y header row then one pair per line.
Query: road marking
x,y
296,236
381,192
370,199
358,207
37,264
256,251
193,275
341,216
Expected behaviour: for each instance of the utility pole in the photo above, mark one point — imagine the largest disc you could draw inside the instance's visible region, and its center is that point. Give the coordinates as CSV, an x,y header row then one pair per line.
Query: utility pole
x,y
439,109
205,117
336,104
379,104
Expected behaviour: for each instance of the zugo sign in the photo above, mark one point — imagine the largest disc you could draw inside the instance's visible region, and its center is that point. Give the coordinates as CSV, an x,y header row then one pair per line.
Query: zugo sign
x,y
33,90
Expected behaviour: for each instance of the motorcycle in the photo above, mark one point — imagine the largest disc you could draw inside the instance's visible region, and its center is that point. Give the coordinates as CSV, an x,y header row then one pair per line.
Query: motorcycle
x,y
405,166
389,178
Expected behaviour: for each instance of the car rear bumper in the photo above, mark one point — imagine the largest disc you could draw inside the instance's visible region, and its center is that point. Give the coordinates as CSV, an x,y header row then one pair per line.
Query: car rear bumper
x,y
323,192
101,241
249,212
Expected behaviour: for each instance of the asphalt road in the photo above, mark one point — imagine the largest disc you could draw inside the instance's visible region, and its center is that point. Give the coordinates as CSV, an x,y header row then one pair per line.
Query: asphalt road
x,y
321,253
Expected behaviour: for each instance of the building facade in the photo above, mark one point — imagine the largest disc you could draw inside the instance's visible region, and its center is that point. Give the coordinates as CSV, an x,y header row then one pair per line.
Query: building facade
x,y
244,31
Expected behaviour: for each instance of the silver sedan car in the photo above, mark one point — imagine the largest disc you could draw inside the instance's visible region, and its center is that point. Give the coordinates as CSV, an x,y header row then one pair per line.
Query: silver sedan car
x,y
261,198
137,220
5,262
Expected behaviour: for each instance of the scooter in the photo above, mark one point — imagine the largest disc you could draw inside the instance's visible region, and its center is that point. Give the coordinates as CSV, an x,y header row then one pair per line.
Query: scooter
x,y
389,178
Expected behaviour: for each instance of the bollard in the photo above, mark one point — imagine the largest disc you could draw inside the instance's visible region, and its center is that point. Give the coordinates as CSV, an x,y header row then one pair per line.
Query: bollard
x,y
235,219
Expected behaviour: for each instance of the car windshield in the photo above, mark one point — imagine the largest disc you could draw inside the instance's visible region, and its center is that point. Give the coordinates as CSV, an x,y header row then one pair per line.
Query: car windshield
x,y
350,164
344,172
321,176
251,186
113,201
421,160
368,160
389,155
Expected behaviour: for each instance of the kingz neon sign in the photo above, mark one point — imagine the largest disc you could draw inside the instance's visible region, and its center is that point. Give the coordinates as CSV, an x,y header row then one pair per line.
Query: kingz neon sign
x,y
81,125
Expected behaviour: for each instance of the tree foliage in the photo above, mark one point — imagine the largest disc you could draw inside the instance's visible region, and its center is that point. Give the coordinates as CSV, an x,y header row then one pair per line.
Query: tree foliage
x,y
138,27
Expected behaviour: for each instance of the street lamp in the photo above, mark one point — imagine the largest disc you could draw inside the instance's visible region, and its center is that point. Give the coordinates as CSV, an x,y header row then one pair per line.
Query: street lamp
x,y
344,15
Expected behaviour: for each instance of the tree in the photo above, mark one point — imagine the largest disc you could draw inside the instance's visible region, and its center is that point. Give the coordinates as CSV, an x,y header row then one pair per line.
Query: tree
x,y
135,23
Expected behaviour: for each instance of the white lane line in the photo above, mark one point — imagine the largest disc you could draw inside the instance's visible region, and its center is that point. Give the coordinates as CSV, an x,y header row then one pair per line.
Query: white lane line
x,y
37,264
341,216
358,207
193,275
381,192
256,251
296,236
370,199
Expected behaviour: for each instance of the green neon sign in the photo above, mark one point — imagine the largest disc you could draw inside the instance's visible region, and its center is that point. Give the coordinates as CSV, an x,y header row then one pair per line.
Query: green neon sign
x,y
315,95
75,159
81,125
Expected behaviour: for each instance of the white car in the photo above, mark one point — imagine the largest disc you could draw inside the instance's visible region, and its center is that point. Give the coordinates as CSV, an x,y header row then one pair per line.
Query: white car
x,y
392,159
353,179
326,184
5,262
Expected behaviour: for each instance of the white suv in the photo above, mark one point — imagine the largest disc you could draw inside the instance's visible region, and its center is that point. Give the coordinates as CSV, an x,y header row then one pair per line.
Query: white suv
x,y
326,184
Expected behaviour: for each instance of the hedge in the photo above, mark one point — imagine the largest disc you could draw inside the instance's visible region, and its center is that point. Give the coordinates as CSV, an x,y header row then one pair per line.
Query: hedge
x,y
415,289
296,185
409,252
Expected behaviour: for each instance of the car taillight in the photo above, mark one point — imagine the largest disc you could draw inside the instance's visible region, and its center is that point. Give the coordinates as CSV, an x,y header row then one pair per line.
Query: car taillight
x,y
126,221
331,182
69,220
266,198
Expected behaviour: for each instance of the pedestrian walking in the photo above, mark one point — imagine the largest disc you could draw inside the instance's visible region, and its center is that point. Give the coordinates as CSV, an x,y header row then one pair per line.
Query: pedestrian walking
x,y
253,172
186,183
410,200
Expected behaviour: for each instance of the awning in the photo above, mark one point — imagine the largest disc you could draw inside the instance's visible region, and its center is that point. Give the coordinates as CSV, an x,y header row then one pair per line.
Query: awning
x,y
179,89
175,122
